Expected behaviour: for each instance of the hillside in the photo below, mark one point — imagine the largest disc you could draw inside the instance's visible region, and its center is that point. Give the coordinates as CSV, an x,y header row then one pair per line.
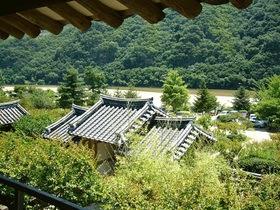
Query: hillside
x,y
225,46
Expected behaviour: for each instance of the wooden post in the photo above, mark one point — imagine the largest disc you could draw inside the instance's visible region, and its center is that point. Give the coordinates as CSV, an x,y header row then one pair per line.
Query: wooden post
x,y
19,200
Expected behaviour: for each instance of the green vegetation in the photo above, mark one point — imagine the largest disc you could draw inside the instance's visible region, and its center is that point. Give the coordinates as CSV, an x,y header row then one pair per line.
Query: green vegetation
x,y
241,100
175,92
202,179
268,96
205,101
225,46
72,90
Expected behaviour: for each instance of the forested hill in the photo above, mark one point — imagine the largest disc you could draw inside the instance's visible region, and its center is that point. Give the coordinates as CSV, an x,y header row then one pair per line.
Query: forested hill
x,y
225,46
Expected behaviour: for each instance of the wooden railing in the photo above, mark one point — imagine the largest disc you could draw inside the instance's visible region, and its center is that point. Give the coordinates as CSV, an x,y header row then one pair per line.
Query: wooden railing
x,y
21,189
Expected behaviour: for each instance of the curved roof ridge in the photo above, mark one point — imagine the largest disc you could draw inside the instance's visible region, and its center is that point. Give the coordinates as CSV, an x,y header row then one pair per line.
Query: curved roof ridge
x,y
103,96
9,103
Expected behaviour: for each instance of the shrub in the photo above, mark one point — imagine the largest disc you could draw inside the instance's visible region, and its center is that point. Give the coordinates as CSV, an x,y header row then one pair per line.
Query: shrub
x,y
261,157
32,126
67,172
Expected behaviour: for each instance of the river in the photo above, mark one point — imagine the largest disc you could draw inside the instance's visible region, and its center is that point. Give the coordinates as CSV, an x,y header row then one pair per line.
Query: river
x,y
223,100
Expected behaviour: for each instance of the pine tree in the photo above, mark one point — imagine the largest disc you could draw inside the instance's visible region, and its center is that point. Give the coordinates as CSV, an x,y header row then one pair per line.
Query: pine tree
x,y
175,93
72,90
205,101
131,92
241,99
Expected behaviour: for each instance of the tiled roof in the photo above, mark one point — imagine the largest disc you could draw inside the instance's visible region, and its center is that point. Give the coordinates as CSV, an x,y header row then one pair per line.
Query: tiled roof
x,y
173,135
111,117
59,129
11,112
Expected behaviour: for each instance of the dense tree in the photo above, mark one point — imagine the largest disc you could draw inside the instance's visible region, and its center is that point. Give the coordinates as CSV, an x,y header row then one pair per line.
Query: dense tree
x,y
268,96
205,101
71,90
175,93
241,99
97,84
95,79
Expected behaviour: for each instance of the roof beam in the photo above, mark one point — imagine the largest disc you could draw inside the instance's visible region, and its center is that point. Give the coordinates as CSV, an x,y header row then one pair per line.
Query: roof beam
x,y
13,6
145,8
21,24
187,8
103,12
43,21
3,35
215,2
7,28
73,16
241,4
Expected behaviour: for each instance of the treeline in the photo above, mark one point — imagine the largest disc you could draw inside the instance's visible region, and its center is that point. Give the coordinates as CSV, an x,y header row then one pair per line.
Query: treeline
x,y
224,46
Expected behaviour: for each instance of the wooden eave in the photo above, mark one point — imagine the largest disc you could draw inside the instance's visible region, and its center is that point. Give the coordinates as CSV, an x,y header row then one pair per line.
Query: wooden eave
x,y
20,17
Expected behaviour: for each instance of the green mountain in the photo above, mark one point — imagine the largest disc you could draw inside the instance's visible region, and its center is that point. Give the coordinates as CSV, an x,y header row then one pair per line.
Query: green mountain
x,y
225,46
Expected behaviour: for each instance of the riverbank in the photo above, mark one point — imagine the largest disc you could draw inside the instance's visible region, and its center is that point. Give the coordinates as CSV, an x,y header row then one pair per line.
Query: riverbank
x,y
224,97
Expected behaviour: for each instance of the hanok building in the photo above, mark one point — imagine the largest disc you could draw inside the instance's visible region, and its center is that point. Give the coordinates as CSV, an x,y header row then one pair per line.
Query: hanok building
x,y
106,125
11,112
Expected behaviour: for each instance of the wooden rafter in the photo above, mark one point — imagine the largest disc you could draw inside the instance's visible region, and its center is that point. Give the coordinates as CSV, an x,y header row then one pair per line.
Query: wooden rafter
x,y
21,24
73,16
241,4
7,28
105,13
145,8
215,2
3,35
43,21
187,8
13,6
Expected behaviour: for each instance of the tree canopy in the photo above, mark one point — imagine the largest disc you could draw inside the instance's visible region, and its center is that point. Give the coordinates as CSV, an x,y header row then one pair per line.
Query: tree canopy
x,y
205,101
71,90
241,99
175,93
269,100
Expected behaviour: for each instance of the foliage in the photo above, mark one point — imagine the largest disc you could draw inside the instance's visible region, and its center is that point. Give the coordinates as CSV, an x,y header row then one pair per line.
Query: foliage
x,y
269,100
205,101
32,126
95,79
261,157
241,99
175,93
71,90
42,99
205,121
226,47
67,172
131,93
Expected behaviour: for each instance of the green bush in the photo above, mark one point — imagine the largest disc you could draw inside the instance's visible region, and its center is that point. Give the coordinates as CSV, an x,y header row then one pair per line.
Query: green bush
x,y
32,126
67,172
261,157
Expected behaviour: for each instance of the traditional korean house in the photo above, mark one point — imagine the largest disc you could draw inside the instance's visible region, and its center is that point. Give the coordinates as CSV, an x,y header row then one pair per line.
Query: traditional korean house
x,y
173,135
59,130
105,127
11,112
